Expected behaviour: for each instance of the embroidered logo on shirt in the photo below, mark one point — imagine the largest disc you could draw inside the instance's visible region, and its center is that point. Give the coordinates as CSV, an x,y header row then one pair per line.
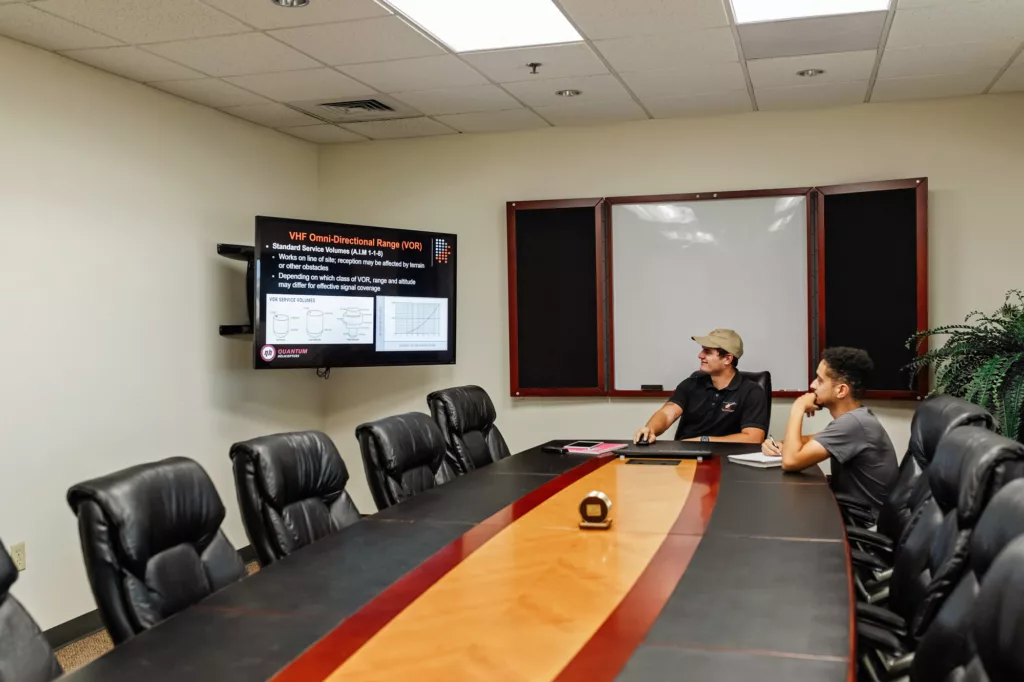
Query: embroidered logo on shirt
x,y
728,407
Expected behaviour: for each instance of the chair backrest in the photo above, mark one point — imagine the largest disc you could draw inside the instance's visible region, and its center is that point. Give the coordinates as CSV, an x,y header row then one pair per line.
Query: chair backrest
x,y
997,624
152,542
762,379
465,415
402,456
963,486
946,645
25,655
291,490
935,417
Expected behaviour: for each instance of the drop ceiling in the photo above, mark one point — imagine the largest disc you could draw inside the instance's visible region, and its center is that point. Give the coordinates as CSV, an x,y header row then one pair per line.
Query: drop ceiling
x,y
638,59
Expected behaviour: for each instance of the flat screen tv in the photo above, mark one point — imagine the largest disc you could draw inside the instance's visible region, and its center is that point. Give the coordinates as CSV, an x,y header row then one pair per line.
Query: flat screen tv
x,y
338,295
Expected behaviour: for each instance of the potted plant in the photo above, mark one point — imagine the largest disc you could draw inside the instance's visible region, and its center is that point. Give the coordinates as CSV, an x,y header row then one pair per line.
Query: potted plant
x,y
982,362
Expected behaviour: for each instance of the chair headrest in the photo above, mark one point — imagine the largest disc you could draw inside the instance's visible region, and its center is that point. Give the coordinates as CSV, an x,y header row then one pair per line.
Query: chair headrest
x,y
937,416
997,627
1000,523
404,442
8,573
970,465
469,407
290,467
155,506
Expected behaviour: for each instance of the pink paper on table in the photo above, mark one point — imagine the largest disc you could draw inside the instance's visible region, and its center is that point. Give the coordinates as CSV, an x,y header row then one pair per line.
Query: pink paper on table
x,y
598,449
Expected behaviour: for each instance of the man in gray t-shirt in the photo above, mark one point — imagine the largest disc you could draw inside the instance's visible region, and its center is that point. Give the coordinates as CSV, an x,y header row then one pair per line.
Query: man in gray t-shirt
x,y
862,457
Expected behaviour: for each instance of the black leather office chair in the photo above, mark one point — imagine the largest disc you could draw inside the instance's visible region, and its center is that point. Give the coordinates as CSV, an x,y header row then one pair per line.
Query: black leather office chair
x,y
152,542
762,379
291,489
25,655
403,456
466,415
997,624
946,645
933,419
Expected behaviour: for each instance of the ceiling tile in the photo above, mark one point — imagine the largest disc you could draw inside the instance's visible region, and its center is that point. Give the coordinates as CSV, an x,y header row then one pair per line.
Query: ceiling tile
x,y
925,87
912,4
355,42
811,96
735,101
647,53
423,73
323,134
288,86
927,60
692,80
592,113
265,14
841,66
1013,79
31,26
145,21
458,100
967,22
617,19
593,89
494,121
211,92
844,33
557,61
234,55
273,115
133,63
403,127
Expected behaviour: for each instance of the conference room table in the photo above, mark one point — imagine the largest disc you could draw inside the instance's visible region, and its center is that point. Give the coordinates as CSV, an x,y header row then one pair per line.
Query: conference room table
x,y
710,571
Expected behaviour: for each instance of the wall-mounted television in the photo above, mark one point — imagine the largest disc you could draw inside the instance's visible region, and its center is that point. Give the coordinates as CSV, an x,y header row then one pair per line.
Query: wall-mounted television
x,y
339,295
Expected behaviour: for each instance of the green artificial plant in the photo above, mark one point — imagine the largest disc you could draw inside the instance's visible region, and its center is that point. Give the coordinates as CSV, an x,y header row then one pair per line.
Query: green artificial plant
x,y
982,362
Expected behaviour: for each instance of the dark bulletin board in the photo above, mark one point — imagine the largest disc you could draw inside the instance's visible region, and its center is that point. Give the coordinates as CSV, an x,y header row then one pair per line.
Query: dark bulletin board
x,y
556,307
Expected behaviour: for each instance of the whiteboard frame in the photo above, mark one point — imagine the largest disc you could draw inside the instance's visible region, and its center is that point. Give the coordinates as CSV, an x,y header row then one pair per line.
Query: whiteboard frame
x,y
811,202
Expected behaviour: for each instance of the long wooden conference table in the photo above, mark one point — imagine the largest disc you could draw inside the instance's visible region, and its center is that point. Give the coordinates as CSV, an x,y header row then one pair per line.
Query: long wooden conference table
x,y
710,571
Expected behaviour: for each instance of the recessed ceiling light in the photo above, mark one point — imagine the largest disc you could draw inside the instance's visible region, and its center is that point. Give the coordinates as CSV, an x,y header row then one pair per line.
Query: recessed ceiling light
x,y
748,11
290,3
466,25
568,93
810,73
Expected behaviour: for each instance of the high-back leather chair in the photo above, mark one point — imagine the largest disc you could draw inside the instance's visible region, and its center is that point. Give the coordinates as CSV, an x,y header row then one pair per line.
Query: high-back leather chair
x,y
466,415
25,655
291,489
762,379
996,630
946,645
403,456
152,542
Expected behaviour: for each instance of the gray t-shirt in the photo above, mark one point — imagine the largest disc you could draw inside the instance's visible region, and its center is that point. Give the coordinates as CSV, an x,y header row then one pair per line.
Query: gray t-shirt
x,y
862,457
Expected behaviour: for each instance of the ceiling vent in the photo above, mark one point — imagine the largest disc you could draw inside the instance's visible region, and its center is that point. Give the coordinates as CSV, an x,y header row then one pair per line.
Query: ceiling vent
x,y
358,107
353,111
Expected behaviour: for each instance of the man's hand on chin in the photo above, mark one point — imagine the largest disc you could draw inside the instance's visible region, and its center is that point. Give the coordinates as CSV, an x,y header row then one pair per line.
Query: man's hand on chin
x,y
807,403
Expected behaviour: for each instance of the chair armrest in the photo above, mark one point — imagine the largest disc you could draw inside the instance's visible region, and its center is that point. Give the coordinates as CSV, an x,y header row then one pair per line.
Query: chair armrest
x,y
870,636
876,615
869,537
848,501
862,559
858,516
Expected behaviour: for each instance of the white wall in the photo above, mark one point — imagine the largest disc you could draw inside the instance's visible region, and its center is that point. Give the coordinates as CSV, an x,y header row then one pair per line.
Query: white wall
x,y
971,149
112,199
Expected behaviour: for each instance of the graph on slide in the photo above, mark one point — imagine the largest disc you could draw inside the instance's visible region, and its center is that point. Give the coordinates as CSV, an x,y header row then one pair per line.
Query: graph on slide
x,y
411,324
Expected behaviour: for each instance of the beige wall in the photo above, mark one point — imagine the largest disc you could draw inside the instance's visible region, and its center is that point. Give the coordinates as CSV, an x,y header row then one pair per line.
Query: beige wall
x,y
972,150
112,199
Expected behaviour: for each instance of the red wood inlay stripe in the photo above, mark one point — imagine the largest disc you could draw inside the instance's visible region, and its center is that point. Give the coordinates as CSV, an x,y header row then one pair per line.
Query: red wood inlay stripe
x,y
324,657
604,655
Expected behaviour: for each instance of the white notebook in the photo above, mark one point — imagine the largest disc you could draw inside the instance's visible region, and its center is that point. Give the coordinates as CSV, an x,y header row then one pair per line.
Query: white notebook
x,y
757,459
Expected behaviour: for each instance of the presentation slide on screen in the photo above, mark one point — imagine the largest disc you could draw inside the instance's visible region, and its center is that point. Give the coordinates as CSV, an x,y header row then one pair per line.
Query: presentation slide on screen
x,y
349,295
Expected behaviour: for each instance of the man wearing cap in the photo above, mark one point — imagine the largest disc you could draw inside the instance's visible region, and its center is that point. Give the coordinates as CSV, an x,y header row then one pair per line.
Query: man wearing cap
x,y
719,405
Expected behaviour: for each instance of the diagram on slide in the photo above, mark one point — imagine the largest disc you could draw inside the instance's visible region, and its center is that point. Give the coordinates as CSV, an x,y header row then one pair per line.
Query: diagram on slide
x,y
319,319
408,324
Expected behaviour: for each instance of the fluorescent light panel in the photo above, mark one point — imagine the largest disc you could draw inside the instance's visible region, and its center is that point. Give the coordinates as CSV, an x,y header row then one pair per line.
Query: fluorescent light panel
x,y
467,25
748,11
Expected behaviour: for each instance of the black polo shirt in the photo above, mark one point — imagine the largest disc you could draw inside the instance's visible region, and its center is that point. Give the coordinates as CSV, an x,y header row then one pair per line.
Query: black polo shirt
x,y
710,412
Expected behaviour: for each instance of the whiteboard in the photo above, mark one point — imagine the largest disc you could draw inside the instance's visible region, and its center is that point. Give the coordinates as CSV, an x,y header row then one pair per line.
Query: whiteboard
x,y
681,269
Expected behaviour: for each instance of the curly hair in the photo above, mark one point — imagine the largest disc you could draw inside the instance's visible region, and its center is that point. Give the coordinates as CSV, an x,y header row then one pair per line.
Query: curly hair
x,y
851,366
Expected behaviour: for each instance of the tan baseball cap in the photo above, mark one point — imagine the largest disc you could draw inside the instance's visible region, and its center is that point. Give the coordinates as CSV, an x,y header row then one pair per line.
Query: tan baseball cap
x,y
726,339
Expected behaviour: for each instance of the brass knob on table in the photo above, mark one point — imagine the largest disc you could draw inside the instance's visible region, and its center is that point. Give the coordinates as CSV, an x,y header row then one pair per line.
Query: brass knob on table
x,y
594,510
